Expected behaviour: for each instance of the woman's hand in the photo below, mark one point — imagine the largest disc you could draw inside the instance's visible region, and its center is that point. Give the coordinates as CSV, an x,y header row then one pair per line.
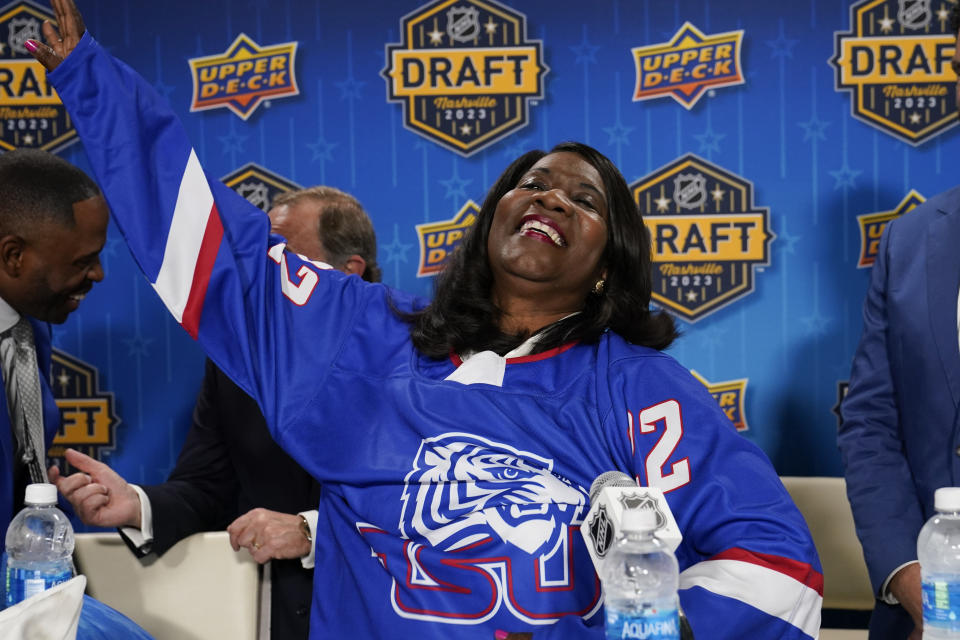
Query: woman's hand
x,y
59,42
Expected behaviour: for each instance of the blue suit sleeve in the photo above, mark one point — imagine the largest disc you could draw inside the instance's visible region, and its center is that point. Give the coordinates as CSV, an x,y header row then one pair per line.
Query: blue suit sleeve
x,y
880,486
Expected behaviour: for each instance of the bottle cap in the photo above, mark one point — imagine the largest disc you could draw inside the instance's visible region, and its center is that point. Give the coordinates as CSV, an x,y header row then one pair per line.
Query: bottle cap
x,y
638,520
41,494
947,499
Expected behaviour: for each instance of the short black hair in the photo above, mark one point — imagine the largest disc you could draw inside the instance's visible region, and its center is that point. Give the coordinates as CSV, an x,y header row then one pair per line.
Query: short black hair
x,y
954,20
345,228
463,316
38,186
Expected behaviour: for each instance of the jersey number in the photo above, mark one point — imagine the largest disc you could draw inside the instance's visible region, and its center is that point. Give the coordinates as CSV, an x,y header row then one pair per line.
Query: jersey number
x,y
664,418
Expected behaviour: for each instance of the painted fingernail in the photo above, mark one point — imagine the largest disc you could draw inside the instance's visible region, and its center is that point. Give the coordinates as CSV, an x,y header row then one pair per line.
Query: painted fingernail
x,y
500,634
30,45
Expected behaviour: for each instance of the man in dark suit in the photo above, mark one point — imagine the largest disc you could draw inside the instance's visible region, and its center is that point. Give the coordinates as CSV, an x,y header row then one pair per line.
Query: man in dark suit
x,y
900,437
229,468
53,224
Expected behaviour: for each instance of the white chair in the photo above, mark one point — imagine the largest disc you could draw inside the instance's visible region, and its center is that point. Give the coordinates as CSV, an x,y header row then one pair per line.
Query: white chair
x,y
846,584
200,589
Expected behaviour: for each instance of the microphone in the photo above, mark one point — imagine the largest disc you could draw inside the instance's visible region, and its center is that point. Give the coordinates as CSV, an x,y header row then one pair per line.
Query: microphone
x,y
612,493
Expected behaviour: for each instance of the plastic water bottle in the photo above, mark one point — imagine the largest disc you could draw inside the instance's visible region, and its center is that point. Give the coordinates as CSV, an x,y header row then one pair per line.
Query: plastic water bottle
x,y
640,585
39,546
938,549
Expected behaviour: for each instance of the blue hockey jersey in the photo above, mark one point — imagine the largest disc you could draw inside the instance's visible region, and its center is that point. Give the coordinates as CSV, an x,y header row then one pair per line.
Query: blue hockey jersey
x,y
451,505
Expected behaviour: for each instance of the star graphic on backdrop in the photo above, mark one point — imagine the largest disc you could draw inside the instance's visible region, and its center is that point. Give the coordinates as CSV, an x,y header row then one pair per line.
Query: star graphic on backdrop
x,y
691,296
709,140
110,248
322,150
943,14
886,25
787,241
662,203
618,133
490,26
465,129
350,88
782,46
436,37
2,47
718,193
814,128
64,380
845,176
28,139
915,118
815,324
232,142
456,187
396,250
138,346
585,52
713,337
518,148
163,89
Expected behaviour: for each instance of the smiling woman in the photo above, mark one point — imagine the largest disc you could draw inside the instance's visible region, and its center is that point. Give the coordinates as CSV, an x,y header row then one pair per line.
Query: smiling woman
x,y
455,438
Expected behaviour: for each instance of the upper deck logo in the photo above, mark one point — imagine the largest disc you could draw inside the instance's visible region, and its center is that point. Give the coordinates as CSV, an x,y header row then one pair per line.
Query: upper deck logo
x,y
31,114
708,237
872,226
731,396
258,185
895,63
465,72
244,76
688,65
88,420
439,239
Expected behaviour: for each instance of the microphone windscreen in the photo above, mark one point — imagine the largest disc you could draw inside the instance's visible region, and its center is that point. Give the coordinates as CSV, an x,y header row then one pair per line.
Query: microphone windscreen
x,y
609,479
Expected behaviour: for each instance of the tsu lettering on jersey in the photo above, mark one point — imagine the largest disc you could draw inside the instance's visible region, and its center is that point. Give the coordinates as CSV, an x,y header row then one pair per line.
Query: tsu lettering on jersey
x,y
258,185
243,76
689,64
439,239
709,238
469,506
872,226
465,72
731,396
895,64
31,115
88,420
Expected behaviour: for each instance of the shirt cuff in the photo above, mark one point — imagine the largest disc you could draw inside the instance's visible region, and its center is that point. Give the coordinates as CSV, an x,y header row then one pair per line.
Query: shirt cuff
x,y
885,595
311,518
143,536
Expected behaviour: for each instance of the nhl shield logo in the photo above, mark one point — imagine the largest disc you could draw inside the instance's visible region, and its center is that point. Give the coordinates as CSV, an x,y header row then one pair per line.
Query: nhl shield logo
x,y
258,185
602,532
709,239
31,114
21,30
895,62
690,190
640,502
914,14
466,74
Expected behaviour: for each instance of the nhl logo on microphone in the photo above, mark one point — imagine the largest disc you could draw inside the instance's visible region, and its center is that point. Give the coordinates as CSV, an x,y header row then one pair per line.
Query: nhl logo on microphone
x,y
601,531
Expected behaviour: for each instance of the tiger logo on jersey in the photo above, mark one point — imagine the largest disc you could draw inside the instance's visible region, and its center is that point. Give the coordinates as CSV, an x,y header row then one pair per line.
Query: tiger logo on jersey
x,y
872,226
463,488
31,114
895,64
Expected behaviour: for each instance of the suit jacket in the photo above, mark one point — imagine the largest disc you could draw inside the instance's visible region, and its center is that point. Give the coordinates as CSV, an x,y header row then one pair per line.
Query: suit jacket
x,y
229,464
900,437
9,502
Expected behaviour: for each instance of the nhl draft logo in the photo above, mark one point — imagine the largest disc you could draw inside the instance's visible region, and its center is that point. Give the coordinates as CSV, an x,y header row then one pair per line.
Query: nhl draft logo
x,y
258,185
439,239
872,226
688,65
730,396
88,421
709,239
31,114
465,73
602,531
242,77
895,64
